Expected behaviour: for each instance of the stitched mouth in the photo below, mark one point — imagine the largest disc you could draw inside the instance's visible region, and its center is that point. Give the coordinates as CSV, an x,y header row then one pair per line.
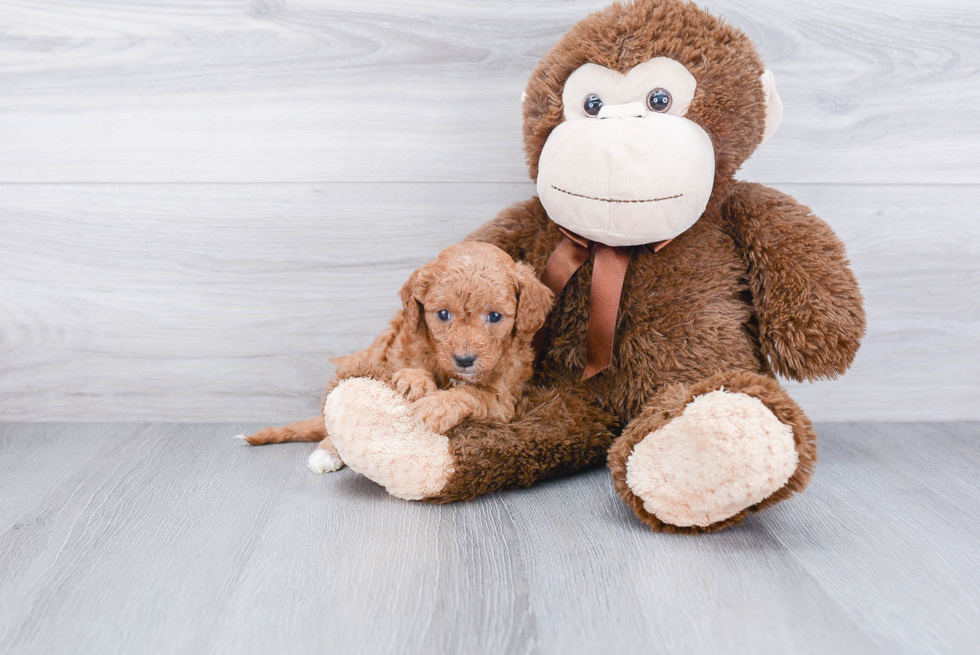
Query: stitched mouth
x,y
579,195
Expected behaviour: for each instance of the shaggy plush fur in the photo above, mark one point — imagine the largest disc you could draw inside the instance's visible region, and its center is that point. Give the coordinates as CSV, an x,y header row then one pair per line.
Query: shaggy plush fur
x,y
473,302
557,430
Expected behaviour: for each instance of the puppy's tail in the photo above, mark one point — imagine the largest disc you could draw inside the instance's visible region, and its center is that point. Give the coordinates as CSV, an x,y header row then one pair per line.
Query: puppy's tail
x,y
311,429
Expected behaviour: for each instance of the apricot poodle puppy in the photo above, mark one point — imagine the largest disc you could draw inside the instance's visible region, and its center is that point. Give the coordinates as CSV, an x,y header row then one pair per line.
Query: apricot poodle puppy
x,y
461,346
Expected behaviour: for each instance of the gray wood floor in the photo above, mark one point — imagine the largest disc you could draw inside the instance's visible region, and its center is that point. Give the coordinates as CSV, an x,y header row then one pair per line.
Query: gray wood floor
x,y
154,538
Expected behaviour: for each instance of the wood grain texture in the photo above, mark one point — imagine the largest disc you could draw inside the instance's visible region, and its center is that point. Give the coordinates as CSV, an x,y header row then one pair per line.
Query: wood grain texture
x,y
182,91
172,539
225,302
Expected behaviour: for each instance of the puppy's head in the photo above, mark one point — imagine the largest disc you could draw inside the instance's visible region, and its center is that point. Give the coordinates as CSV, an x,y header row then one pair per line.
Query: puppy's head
x,y
474,306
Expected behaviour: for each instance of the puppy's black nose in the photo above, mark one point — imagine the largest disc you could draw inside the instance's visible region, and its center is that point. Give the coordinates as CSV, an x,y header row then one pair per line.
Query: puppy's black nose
x,y
464,361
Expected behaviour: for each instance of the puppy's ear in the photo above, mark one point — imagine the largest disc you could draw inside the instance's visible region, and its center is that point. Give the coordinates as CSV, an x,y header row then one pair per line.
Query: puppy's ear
x,y
412,295
534,301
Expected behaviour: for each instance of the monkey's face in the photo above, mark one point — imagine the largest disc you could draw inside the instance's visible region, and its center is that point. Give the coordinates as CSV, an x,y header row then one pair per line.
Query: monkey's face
x,y
660,103
626,167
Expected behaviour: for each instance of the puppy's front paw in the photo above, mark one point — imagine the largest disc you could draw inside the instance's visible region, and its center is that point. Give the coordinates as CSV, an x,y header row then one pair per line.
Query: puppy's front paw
x,y
413,383
436,413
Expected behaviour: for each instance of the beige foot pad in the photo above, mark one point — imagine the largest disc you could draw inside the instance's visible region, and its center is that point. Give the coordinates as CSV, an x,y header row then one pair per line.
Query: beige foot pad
x,y
724,453
373,430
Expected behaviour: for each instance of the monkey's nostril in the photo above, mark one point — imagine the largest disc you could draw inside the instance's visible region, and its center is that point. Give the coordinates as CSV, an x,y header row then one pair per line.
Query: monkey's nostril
x,y
464,361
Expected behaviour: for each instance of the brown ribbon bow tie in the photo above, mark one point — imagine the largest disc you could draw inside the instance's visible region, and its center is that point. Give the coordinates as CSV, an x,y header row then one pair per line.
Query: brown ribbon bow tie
x,y
608,273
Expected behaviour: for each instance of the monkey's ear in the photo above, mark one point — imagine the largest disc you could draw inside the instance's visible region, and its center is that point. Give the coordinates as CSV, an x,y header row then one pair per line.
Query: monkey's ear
x,y
534,301
411,294
774,106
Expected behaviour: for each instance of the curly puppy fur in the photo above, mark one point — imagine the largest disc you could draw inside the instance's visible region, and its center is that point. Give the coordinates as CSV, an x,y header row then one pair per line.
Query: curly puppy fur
x,y
459,348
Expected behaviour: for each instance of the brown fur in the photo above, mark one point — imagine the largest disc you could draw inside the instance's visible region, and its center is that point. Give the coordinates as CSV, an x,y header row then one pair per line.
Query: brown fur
x,y
757,284
415,354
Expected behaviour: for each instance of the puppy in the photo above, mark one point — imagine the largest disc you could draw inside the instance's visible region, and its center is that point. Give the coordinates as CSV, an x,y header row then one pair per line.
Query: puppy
x,y
459,348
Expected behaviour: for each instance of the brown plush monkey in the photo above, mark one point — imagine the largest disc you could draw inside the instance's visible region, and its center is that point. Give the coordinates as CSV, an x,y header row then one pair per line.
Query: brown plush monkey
x,y
680,290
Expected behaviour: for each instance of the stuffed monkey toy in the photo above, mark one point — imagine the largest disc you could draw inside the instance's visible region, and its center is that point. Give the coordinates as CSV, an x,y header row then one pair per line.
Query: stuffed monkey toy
x,y
680,292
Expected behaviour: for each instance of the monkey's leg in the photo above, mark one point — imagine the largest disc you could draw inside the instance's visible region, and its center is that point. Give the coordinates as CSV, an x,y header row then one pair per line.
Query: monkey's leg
x,y
701,457
553,432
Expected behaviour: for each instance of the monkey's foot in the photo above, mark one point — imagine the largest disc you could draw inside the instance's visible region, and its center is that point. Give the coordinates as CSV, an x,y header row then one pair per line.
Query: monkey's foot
x,y
705,464
373,430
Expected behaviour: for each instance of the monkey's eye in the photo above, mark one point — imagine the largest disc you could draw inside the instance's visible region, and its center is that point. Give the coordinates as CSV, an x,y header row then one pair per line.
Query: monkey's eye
x,y
443,315
659,100
494,317
592,105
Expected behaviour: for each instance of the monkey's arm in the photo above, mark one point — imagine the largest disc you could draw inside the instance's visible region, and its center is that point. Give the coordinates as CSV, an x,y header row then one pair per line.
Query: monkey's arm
x,y
811,317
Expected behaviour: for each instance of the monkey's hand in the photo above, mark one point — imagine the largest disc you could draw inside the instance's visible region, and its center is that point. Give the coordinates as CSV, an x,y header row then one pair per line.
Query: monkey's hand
x,y
413,383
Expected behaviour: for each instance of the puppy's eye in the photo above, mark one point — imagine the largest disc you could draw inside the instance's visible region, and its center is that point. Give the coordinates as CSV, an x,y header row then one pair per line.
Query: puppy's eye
x,y
659,100
494,317
592,104
443,315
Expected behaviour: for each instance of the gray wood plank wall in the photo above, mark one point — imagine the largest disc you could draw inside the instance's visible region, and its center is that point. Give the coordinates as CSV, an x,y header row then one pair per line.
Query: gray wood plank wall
x,y
200,202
